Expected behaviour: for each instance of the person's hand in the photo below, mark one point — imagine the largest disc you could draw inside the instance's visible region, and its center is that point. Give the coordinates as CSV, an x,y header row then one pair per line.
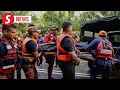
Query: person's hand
x,y
78,51
39,54
77,63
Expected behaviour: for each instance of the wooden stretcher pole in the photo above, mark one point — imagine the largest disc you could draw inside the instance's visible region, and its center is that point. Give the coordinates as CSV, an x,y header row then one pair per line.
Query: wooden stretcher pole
x,y
51,53
84,52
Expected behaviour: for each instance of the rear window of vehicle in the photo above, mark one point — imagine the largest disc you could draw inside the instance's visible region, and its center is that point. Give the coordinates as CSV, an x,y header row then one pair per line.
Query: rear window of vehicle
x,y
88,34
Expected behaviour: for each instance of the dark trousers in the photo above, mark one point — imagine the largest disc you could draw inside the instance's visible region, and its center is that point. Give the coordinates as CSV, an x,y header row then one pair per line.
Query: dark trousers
x,y
56,62
67,69
41,60
50,60
101,66
18,71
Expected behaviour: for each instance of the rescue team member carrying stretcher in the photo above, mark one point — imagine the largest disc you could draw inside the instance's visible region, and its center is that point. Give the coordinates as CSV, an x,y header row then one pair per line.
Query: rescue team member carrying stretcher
x,y
48,38
8,52
30,53
66,52
103,57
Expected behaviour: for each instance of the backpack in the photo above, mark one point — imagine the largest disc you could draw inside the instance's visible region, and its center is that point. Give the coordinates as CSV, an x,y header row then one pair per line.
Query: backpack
x,y
104,49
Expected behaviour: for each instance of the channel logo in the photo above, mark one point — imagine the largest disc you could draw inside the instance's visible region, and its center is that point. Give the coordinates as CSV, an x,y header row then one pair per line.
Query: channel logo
x,y
9,19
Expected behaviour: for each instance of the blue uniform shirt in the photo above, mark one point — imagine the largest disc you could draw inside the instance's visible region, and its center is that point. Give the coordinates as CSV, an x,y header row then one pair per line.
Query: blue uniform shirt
x,y
30,46
94,44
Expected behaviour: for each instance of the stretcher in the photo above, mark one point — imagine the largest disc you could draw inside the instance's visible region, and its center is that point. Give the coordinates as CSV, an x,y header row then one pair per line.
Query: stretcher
x,y
51,49
50,53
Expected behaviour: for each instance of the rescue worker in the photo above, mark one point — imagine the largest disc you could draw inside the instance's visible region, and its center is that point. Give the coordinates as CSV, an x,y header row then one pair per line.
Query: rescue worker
x,y
66,52
48,38
30,53
18,40
8,52
74,36
103,56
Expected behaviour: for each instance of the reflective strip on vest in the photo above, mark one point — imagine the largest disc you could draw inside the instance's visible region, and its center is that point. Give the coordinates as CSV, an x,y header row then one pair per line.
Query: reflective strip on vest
x,y
104,53
64,57
12,52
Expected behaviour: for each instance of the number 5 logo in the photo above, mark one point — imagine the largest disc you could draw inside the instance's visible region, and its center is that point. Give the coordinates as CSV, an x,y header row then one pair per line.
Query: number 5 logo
x,y
8,19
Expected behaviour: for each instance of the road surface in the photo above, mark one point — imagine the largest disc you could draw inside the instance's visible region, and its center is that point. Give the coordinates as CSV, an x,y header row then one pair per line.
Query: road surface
x,y
81,71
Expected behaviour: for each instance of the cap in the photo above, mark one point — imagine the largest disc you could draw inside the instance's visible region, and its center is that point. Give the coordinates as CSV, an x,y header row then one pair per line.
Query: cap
x,y
31,24
32,29
54,27
102,33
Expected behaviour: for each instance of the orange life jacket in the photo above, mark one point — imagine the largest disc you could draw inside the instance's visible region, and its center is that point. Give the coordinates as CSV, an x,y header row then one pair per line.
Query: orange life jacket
x,y
25,54
102,50
64,56
8,61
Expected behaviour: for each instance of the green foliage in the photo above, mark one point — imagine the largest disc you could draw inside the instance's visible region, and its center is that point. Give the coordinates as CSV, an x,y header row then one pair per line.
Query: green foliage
x,y
110,13
45,19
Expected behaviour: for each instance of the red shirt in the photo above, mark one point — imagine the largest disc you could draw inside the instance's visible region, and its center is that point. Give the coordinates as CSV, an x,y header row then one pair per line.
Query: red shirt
x,y
49,38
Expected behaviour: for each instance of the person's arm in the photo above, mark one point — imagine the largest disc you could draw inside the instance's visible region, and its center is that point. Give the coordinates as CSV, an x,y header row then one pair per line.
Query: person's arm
x,y
93,44
77,51
74,57
3,49
68,45
36,54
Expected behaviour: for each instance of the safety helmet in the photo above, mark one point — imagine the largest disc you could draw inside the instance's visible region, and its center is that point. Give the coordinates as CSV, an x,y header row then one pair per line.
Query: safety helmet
x,y
102,33
32,29
31,24
54,27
